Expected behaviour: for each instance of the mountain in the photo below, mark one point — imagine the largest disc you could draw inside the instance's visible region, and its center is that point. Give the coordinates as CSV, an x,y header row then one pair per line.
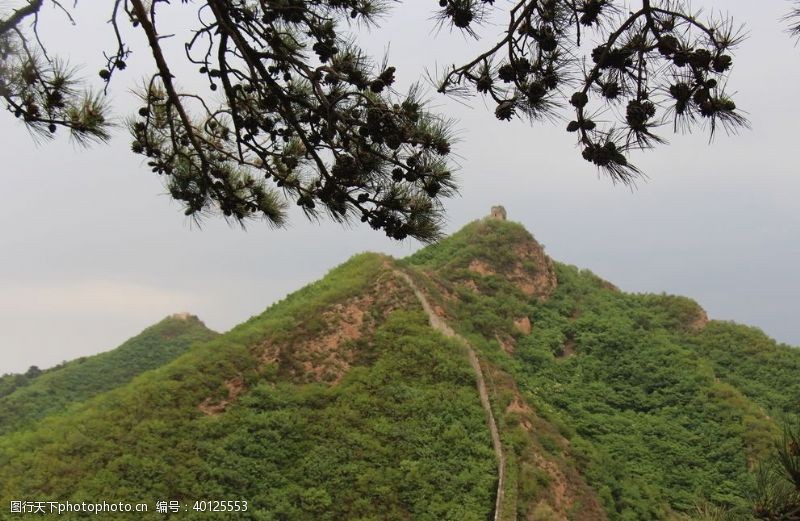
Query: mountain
x,y
477,379
29,397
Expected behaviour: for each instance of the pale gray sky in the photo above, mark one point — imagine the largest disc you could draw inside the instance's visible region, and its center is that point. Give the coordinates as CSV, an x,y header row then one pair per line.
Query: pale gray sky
x,y
91,251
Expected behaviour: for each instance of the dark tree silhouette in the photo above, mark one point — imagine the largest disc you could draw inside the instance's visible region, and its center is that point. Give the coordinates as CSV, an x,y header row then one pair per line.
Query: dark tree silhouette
x,y
657,63
793,19
777,492
306,116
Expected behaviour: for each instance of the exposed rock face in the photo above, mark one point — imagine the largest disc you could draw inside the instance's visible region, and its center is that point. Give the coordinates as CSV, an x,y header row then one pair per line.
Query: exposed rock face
x,y
323,356
480,267
523,325
516,257
534,273
700,322
507,342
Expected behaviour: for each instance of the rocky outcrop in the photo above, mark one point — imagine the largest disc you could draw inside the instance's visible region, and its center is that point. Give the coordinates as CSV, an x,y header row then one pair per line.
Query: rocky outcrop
x,y
523,325
533,273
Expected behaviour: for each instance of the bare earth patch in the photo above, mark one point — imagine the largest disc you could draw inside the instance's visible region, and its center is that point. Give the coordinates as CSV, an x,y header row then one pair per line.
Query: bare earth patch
x,y
327,362
523,325
566,496
533,273
700,322
470,285
507,343
324,357
518,406
481,268
321,358
561,500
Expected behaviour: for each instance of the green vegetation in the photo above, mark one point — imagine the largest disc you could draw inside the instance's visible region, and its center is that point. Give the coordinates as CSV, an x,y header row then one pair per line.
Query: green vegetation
x,y
488,241
341,453
13,381
401,436
35,394
766,372
341,402
663,412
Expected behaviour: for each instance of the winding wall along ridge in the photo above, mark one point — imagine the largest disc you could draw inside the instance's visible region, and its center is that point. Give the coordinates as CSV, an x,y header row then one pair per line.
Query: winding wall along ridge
x,y
440,325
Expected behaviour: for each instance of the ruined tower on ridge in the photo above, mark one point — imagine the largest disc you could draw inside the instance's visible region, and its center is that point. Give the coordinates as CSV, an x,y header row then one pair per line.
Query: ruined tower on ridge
x,y
498,213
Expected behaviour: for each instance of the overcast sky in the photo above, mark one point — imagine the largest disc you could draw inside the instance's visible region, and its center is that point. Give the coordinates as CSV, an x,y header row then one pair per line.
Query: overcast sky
x,y
92,251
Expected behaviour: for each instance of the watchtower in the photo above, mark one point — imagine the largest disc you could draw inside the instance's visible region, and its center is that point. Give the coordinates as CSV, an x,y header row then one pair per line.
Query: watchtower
x,y
498,213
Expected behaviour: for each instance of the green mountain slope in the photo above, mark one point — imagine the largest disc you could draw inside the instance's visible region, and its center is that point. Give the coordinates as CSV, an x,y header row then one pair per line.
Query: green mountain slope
x,y
746,358
663,409
338,403
352,400
53,390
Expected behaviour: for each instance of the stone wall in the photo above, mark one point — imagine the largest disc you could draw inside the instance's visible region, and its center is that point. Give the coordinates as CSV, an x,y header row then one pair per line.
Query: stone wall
x,y
499,213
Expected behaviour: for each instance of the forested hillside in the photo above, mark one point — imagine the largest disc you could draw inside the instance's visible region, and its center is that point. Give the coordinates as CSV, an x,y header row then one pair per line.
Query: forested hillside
x,y
28,397
665,409
343,402
338,403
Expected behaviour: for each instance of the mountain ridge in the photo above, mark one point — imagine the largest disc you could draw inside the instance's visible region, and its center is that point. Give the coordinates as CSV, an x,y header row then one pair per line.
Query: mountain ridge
x,y
53,390
351,403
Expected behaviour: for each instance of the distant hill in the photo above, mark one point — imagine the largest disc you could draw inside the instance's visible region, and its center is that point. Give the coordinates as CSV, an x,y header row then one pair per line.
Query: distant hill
x,y
26,398
477,379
